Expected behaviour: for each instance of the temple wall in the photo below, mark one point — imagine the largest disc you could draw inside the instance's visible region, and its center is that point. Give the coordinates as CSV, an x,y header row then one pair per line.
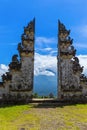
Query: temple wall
x,y
19,80
27,71
68,78
16,80
69,69
84,91
4,90
22,93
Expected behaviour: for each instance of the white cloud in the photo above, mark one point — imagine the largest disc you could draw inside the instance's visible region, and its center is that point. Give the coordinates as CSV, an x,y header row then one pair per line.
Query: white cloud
x,y
44,49
46,45
45,65
45,42
81,45
53,52
48,50
41,40
83,62
3,69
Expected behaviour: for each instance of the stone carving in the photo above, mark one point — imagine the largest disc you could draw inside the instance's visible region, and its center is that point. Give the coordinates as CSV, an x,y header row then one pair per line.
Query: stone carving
x,y
6,77
15,64
14,58
76,65
18,82
70,77
20,48
21,70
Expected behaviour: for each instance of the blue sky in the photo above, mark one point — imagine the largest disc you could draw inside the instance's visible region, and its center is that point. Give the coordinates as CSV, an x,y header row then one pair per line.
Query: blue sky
x,y
14,15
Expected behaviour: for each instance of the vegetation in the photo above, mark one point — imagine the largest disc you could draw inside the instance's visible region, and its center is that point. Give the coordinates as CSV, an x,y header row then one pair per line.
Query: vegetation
x,y
44,117
35,95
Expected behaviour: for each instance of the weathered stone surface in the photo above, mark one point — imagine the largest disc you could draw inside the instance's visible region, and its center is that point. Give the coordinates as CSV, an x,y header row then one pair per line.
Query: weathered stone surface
x,y
71,82
17,84
22,81
19,79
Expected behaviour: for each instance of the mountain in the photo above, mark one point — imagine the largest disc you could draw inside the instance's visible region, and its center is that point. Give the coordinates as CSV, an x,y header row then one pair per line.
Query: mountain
x,y
44,85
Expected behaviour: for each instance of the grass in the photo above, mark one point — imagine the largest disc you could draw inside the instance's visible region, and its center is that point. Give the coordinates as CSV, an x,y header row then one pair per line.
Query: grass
x,y
44,117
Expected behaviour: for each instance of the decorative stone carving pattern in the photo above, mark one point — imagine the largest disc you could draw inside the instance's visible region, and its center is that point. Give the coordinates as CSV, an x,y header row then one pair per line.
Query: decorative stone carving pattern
x,y
71,82
19,79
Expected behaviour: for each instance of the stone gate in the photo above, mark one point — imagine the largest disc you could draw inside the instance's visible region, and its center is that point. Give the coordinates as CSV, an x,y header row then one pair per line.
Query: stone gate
x,y
18,82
